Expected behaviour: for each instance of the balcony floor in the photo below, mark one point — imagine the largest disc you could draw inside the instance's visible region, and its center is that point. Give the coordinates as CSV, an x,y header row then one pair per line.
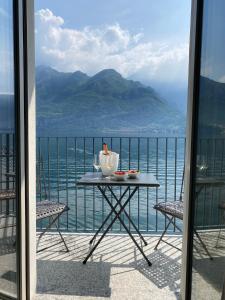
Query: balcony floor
x,y
116,271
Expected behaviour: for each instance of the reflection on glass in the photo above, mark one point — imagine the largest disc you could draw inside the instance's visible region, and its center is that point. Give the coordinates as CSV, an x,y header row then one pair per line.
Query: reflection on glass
x,y
208,272
8,275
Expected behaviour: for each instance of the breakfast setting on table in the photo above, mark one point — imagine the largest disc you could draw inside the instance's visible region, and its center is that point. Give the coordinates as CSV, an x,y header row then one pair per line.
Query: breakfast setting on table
x,y
108,162
131,180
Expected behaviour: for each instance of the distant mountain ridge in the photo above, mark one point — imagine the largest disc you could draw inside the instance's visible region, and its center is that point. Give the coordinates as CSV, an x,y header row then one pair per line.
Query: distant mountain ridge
x,y
212,107
7,113
104,104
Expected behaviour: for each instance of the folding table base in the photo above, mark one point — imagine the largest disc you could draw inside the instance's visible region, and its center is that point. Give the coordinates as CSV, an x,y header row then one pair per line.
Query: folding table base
x,y
117,216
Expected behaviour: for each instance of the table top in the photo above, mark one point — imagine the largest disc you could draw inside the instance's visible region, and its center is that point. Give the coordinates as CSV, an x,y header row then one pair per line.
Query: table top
x,y
10,174
144,180
210,181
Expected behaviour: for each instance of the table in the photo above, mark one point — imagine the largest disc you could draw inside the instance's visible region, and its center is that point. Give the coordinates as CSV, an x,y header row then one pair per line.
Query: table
x,y
10,174
202,182
107,183
216,181
207,181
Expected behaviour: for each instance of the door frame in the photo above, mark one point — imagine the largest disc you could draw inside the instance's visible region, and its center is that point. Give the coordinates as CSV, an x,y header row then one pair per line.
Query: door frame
x,y
30,144
24,86
25,89
190,155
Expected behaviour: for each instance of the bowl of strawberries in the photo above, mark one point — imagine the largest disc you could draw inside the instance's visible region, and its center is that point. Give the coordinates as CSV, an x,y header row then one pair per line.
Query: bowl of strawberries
x,y
120,175
133,174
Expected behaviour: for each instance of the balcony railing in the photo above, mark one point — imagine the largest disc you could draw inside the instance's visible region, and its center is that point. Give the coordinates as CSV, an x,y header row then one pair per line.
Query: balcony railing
x,y
61,161
7,165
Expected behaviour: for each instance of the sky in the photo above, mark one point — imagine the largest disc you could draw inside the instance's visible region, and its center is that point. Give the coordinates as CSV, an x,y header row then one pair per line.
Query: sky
x,y
6,48
213,45
140,39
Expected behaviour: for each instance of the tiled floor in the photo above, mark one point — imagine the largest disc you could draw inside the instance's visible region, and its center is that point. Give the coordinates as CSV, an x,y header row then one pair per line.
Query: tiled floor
x,y
116,271
209,275
7,257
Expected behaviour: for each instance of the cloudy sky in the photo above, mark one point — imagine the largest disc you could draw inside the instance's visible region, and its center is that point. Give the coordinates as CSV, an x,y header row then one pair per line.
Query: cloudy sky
x,y
6,47
141,39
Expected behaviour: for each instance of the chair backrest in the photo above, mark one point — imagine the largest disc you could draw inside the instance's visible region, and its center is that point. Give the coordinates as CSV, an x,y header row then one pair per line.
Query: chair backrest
x,y
41,180
182,187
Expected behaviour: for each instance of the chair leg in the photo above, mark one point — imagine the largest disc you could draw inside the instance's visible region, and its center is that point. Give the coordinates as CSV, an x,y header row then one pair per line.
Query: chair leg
x,y
203,244
218,237
62,238
164,232
53,222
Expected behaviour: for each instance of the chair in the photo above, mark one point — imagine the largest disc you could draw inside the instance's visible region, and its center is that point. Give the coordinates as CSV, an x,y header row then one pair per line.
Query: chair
x,y
51,210
222,209
173,210
7,221
8,216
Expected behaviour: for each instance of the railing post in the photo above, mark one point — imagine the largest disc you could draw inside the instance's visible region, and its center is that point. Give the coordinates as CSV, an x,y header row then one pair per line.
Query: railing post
x,y
7,168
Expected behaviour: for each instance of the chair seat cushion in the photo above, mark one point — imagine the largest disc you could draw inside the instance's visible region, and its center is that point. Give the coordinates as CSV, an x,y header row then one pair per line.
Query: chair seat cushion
x,y
7,194
45,209
173,208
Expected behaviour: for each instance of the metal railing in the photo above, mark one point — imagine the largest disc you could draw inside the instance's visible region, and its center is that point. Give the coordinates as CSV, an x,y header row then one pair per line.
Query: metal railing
x,y
7,165
62,161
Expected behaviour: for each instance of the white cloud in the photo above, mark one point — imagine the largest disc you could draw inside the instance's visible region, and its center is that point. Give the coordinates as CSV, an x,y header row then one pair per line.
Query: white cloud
x,y
93,49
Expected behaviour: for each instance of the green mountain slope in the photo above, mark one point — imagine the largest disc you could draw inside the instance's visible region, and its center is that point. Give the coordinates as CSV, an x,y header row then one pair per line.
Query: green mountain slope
x,y
105,104
212,107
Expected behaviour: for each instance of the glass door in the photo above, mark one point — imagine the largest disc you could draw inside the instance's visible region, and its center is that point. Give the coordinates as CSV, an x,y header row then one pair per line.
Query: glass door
x,y
207,200
8,158
12,151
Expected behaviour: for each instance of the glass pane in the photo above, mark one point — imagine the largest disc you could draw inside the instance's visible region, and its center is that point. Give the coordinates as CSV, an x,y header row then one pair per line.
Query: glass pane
x,y
209,231
8,258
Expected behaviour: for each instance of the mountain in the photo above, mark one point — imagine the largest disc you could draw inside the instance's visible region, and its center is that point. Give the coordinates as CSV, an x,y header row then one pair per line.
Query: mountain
x,y
51,83
212,107
104,104
7,113
174,93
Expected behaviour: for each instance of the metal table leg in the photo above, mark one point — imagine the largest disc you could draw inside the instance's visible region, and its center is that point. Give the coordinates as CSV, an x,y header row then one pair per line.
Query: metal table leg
x,y
128,217
117,216
107,218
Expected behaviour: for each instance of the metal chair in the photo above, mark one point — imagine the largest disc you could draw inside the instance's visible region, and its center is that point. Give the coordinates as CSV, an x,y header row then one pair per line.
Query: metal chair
x,y
7,221
222,209
51,210
173,210
7,217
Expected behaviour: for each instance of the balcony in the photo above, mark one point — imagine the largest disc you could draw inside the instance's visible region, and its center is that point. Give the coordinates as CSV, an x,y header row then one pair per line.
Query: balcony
x,y
116,270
